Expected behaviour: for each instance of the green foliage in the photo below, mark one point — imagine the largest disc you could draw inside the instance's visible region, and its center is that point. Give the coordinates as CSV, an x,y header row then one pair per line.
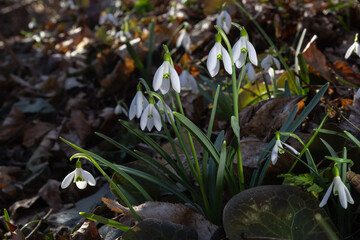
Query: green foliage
x,y
143,6
306,181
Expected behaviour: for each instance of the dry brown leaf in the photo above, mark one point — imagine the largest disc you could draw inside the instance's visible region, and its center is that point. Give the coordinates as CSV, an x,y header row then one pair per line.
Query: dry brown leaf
x,y
12,125
8,177
16,234
87,231
81,125
170,212
317,63
51,194
346,72
35,131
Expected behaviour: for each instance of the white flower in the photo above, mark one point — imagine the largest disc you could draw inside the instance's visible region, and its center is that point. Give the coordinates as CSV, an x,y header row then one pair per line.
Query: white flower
x,y
166,73
269,61
150,117
68,4
270,75
224,21
355,47
120,110
278,148
81,178
187,81
164,110
123,35
217,53
184,40
108,17
241,47
250,71
138,104
339,189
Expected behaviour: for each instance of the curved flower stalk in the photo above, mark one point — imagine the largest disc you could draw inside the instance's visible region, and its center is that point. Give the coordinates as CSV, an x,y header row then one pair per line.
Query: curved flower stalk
x,y
338,188
187,81
268,62
278,148
242,47
119,109
165,110
224,21
250,71
138,104
184,38
150,117
164,74
80,177
217,53
355,47
108,18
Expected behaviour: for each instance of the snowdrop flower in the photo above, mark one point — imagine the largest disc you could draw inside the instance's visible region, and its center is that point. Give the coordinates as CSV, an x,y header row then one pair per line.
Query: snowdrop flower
x,y
164,74
184,40
224,21
164,110
150,117
110,18
270,75
250,71
80,177
68,4
269,61
217,53
338,188
138,104
278,148
187,81
355,47
123,35
119,109
241,48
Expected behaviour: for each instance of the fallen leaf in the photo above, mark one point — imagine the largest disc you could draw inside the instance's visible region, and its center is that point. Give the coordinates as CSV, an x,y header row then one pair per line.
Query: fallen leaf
x,y
51,194
87,231
12,125
346,72
169,212
35,131
81,125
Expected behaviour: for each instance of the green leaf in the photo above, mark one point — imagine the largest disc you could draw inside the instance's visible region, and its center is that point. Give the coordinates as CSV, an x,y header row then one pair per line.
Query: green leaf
x,y
200,136
100,219
284,212
235,127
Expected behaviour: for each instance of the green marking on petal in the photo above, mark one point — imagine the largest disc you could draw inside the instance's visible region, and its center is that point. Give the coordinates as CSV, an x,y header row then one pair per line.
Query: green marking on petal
x,y
219,57
166,76
150,116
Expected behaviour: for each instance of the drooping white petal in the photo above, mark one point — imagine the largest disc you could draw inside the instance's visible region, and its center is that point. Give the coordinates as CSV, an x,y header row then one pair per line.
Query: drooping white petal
x,y
277,63
236,50
226,60
165,86
291,148
158,77
180,38
339,190
132,110
157,120
88,177
357,49
67,180
350,50
326,196
139,103
212,61
274,153
251,53
348,196
187,42
144,118
175,80
250,72
81,184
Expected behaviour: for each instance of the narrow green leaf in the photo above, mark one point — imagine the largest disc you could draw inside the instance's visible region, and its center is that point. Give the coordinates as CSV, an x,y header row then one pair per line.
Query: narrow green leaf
x,y
236,128
7,218
220,185
109,222
353,139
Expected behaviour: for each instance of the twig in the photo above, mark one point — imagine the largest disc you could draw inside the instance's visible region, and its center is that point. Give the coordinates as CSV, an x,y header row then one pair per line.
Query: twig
x,y
39,223
10,51
14,7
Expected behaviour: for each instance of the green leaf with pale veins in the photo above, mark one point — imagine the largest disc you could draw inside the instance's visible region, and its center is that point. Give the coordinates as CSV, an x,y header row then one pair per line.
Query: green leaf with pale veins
x,y
284,212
